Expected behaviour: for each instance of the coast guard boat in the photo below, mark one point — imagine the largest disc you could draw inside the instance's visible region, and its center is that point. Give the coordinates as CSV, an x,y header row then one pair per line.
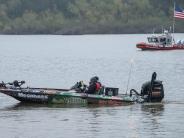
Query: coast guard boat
x,y
164,41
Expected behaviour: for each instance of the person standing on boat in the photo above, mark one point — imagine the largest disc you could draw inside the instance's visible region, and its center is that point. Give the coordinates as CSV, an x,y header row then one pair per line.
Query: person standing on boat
x,y
94,86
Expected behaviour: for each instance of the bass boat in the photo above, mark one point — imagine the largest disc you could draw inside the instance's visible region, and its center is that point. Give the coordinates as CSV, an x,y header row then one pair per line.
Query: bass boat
x,y
151,91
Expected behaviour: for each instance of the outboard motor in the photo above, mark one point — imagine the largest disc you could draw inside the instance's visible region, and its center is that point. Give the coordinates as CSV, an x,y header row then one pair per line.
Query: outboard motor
x,y
151,91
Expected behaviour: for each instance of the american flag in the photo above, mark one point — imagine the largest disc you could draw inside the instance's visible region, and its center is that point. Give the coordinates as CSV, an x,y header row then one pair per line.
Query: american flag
x,y
178,12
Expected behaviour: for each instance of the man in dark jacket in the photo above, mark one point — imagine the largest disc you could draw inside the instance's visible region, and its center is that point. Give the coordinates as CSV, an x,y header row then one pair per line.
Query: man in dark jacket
x,y
94,85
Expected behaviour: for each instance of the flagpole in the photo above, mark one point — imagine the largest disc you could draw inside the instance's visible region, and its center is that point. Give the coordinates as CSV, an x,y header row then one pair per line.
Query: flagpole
x,y
174,23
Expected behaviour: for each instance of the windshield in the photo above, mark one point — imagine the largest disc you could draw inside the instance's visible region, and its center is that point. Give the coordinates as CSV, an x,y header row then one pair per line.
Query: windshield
x,y
152,40
163,39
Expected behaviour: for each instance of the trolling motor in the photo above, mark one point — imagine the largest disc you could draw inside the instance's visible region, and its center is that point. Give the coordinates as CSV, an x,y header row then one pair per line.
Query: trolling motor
x,y
151,91
2,85
16,83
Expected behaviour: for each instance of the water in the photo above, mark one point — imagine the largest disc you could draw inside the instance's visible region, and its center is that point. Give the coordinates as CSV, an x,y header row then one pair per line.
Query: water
x,y
60,61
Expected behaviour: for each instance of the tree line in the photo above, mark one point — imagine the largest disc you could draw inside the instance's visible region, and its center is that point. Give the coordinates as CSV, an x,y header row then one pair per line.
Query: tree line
x,y
87,16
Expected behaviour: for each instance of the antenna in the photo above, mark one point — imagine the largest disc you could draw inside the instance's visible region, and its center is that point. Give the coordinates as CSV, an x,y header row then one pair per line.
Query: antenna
x,y
174,22
153,31
162,29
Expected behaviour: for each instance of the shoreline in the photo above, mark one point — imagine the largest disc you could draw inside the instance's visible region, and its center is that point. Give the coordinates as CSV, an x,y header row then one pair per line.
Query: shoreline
x,y
83,33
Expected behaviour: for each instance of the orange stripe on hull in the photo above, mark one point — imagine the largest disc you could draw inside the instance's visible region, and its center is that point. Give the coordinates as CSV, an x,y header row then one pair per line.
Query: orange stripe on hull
x,y
145,46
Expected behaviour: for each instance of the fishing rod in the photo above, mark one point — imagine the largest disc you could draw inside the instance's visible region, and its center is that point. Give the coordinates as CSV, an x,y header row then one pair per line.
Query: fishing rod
x,y
129,75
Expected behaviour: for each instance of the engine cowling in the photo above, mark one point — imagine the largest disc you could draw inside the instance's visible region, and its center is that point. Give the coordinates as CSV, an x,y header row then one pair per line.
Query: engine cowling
x,y
152,91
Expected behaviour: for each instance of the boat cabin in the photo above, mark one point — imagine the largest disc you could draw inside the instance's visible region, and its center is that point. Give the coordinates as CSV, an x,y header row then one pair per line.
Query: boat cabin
x,y
165,39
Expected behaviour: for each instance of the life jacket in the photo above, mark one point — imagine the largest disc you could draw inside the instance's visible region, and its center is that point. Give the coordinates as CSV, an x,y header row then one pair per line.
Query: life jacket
x,y
98,86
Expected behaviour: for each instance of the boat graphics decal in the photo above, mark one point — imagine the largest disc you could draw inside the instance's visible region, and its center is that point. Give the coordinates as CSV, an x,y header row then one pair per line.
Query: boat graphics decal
x,y
68,100
34,96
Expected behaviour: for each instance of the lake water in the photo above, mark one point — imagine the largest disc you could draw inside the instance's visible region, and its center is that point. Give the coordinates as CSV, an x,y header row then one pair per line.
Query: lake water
x,y
60,61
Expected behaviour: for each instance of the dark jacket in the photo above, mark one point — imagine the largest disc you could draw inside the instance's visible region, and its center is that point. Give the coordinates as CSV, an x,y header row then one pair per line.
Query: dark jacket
x,y
92,88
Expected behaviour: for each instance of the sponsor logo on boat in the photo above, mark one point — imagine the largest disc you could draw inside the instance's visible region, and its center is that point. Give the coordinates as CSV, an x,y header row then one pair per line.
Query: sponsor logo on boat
x,y
23,95
74,100
69,100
